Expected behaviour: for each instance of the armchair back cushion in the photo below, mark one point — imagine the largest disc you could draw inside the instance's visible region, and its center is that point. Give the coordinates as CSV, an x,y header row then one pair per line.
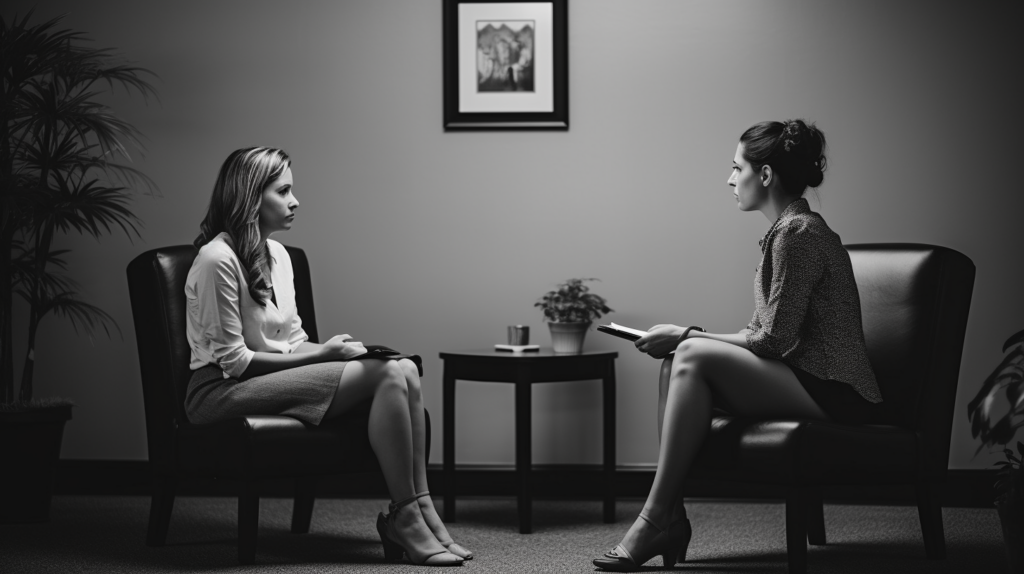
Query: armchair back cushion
x,y
914,302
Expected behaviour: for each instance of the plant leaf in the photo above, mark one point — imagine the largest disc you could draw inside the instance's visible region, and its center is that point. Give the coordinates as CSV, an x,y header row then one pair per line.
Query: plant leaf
x,y
1008,376
1014,339
80,313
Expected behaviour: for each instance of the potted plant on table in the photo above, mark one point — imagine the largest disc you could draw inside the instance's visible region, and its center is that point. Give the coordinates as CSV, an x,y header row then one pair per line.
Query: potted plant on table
x,y
58,173
570,309
996,413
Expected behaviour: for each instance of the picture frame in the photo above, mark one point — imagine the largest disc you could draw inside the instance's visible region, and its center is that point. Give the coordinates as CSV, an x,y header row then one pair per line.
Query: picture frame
x,y
506,65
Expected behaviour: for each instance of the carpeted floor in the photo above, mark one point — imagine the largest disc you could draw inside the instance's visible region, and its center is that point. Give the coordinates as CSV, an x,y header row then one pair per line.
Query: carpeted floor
x,y
107,534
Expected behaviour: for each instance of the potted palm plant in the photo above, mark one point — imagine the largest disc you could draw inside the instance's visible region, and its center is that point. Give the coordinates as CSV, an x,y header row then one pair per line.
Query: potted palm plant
x,y
59,173
570,309
996,413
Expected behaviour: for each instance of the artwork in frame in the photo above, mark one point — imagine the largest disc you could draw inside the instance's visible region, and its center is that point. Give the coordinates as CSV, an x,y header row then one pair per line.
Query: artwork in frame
x,y
506,65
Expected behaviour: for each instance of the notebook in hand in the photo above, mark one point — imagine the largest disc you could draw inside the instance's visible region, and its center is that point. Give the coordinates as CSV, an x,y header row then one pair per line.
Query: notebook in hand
x,y
621,332
387,353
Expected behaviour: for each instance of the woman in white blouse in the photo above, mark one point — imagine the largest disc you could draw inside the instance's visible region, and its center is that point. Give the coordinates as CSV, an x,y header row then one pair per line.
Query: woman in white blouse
x,y
250,355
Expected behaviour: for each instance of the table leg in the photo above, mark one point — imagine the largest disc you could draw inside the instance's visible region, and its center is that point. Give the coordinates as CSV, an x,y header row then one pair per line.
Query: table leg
x,y
609,443
448,397
524,456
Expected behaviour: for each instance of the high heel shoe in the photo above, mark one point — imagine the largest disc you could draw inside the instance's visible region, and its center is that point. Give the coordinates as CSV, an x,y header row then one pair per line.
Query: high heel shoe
x,y
681,531
451,546
394,549
621,560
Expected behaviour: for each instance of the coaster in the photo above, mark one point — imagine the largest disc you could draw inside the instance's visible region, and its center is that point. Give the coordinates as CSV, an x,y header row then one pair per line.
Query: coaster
x,y
516,348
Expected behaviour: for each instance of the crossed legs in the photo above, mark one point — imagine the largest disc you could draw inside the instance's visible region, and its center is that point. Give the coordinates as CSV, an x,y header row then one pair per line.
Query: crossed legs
x,y
700,372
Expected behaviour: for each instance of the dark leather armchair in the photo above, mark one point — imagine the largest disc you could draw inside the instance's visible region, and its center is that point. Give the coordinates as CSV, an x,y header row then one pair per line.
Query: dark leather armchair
x,y
914,302
245,449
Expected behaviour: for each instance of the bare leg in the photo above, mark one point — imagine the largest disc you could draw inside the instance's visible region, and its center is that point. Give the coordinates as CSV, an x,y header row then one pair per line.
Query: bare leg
x,y
663,379
678,507
419,424
391,437
750,384
419,444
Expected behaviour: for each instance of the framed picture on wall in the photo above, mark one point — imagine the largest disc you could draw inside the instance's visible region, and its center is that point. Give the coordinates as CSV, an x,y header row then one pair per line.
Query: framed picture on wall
x,y
506,65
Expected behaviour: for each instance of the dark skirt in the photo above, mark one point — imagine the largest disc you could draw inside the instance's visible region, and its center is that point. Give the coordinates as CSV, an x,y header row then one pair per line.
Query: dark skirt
x,y
839,400
304,393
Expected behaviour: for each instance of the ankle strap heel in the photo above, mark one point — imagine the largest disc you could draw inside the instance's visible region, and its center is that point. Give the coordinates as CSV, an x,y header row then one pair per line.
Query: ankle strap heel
x,y
396,505
395,549
622,560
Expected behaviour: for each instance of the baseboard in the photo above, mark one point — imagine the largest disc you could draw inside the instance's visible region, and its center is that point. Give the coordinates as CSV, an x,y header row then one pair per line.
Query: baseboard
x,y
963,488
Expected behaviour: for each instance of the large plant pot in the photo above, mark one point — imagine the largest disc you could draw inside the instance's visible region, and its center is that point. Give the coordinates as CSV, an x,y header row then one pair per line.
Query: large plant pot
x,y
1013,536
568,337
29,448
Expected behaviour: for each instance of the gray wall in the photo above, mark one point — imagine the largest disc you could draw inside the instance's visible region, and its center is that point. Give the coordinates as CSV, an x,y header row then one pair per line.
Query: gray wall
x,y
431,241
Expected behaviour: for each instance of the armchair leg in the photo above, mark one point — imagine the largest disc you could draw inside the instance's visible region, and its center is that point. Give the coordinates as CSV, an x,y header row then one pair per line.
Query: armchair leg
x,y
160,508
302,511
248,522
929,509
815,516
796,530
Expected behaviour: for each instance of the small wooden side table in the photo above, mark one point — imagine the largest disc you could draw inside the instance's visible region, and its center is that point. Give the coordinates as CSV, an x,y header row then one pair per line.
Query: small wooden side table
x,y
524,369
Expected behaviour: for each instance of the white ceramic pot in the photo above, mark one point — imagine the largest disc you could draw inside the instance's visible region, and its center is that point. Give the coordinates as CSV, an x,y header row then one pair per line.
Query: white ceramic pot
x,y
568,337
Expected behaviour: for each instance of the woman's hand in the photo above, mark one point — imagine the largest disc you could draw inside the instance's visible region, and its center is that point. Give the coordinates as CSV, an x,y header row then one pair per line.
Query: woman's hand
x,y
660,340
342,348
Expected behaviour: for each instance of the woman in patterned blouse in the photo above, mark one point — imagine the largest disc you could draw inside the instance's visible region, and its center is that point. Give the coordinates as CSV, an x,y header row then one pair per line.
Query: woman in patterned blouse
x,y
802,354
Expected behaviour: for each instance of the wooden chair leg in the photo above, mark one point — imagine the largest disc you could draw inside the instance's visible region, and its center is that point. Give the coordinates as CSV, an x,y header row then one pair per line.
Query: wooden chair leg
x,y
160,510
248,522
302,511
796,530
929,509
815,516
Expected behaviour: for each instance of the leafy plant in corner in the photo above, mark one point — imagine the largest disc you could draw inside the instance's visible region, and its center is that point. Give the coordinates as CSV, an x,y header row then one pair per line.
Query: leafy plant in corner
x,y
59,172
1009,486
572,302
996,413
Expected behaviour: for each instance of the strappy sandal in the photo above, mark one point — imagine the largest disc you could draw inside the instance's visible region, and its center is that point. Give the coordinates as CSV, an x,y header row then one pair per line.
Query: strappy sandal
x,y
395,550
451,545
681,531
621,560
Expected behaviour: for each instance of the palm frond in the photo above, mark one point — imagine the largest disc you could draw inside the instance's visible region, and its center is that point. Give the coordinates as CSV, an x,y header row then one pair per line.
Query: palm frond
x,y
128,77
81,314
88,206
30,281
70,158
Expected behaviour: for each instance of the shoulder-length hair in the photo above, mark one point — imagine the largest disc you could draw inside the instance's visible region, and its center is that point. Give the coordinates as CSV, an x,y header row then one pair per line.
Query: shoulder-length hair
x,y
235,209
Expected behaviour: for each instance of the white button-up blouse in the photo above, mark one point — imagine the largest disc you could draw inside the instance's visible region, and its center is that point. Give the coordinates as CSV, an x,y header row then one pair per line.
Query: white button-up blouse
x,y
225,326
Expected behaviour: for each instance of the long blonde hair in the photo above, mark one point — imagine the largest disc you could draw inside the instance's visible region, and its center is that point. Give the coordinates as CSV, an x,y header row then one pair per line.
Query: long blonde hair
x,y
235,208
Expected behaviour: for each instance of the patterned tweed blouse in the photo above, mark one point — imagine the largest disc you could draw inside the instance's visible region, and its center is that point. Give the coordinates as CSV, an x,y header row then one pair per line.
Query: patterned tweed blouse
x,y
806,304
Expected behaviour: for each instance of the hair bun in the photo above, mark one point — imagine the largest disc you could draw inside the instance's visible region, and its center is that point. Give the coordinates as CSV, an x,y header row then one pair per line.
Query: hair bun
x,y
795,149
807,144
792,134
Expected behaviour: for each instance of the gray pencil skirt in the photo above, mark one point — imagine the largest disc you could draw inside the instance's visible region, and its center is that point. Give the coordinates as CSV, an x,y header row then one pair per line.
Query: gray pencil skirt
x,y
304,393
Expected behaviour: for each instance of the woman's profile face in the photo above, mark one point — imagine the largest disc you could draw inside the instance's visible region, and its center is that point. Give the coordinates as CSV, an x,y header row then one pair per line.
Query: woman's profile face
x,y
746,183
277,208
